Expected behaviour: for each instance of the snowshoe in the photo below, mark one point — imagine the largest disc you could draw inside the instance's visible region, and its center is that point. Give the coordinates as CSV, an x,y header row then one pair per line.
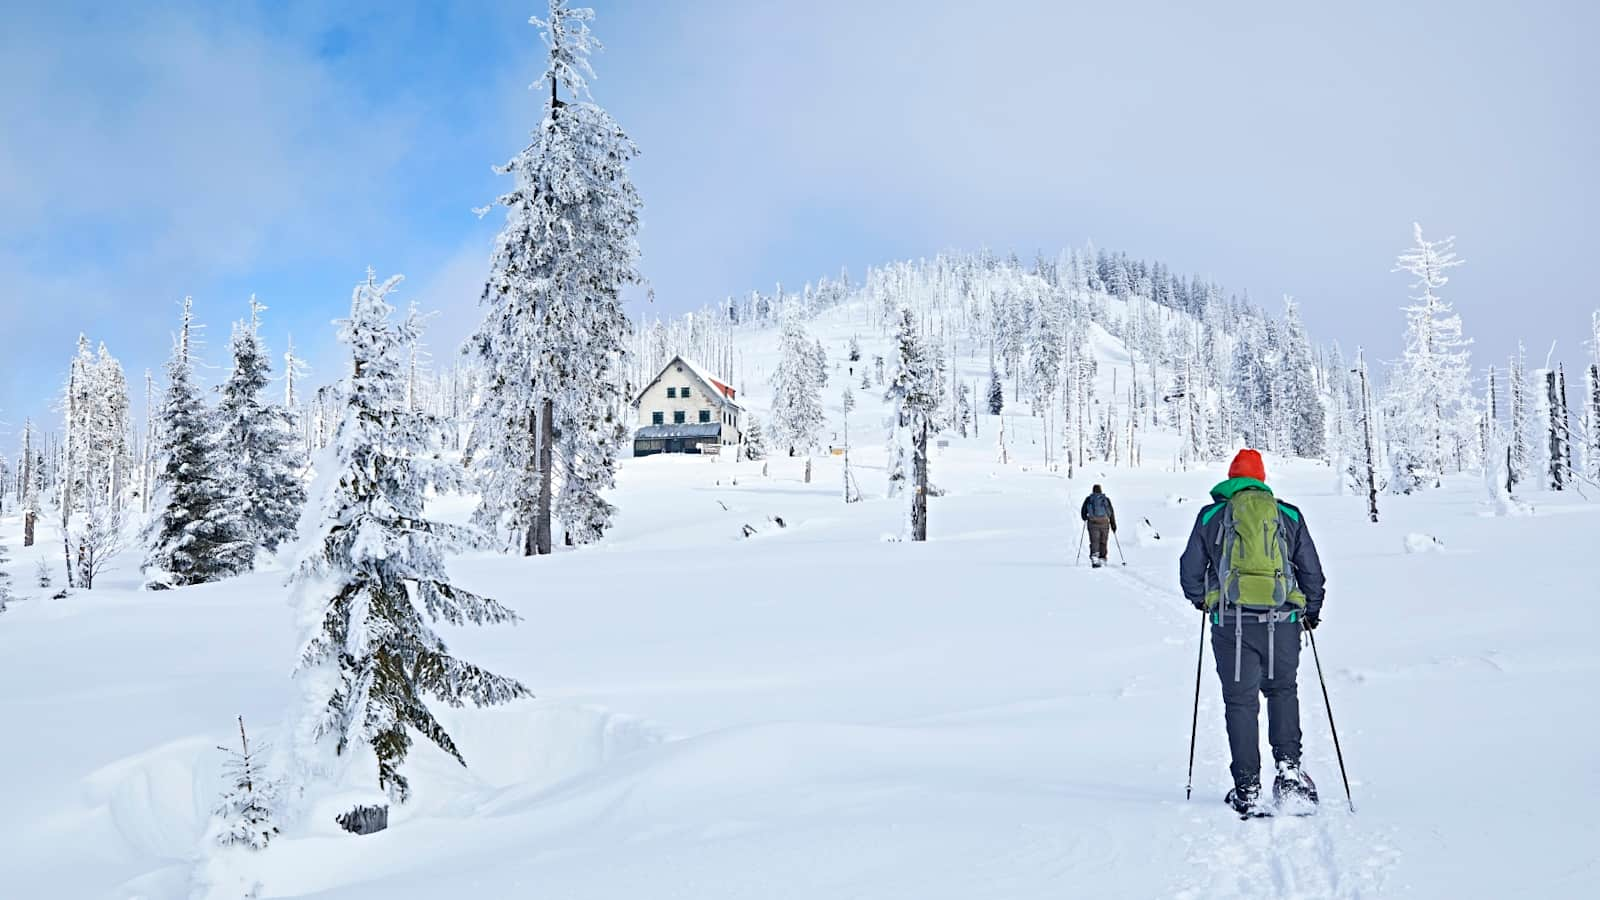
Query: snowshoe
x,y
1246,801
1293,790
1095,563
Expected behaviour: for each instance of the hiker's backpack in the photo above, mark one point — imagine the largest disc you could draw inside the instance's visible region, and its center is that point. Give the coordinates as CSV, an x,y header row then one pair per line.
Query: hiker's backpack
x,y
1099,506
1255,572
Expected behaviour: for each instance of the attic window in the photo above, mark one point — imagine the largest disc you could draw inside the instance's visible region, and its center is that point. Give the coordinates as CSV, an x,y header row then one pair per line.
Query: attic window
x,y
672,393
683,392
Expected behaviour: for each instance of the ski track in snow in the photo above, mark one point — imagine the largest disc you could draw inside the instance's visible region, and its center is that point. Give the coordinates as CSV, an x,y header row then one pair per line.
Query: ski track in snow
x,y
1330,854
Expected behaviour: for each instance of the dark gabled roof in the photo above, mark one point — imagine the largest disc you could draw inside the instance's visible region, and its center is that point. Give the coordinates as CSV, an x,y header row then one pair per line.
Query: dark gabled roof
x,y
712,386
687,430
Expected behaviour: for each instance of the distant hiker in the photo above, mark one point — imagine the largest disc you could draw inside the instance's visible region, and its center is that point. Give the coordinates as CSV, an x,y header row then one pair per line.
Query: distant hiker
x,y
1101,520
1252,568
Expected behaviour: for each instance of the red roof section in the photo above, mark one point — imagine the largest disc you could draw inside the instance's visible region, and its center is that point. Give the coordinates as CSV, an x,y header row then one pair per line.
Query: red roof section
x,y
706,377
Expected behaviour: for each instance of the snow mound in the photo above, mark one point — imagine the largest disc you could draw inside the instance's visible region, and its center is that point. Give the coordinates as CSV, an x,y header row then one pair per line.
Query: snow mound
x,y
540,743
157,802
1417,542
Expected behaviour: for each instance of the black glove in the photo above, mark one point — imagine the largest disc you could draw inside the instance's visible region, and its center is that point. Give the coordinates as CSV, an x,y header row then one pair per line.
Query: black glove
x,y
1310,621
1199,604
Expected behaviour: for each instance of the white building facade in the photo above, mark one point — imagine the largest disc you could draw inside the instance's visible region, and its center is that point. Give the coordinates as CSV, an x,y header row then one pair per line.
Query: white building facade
x,y
686,410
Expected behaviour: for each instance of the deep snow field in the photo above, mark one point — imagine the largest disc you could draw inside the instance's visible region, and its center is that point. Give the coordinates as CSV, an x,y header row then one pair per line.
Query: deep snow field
x,y
820,712
817,712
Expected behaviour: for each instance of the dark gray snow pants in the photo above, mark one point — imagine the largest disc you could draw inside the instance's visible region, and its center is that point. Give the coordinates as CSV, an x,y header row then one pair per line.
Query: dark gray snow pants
x,y
1240,700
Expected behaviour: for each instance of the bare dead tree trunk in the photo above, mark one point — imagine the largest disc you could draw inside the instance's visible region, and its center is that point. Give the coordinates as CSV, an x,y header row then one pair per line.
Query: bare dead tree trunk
x,y
1556,476
546,454
1366,430
919,474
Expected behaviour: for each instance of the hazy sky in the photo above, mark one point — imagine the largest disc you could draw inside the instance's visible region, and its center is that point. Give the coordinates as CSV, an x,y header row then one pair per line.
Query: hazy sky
x,y
148,151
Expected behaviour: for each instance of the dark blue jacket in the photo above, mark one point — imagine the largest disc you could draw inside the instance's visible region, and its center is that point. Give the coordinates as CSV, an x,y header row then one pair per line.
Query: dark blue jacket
x,y
1202,558
1111,512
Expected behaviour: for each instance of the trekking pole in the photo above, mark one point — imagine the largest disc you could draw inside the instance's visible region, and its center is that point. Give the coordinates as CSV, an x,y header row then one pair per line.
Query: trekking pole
x,y
1329,706
1076,560
1119,548
1194,721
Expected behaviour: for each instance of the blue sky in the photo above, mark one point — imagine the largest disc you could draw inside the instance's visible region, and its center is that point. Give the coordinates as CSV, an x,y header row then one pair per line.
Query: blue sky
x,y
280,148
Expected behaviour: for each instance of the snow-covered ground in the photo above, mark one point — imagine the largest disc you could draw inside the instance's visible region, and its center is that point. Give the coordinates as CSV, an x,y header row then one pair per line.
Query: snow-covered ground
x,y
817,712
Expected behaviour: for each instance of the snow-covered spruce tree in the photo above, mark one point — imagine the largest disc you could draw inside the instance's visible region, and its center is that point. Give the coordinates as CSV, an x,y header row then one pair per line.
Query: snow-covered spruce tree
x,y
1045,360
796,400
963,409
997,393
96,444
755,440
821,357
246,814
586,454
855,350
110,447
1307,426
913,395
1431,381
262,456
198,533
77,407
553,343
372,577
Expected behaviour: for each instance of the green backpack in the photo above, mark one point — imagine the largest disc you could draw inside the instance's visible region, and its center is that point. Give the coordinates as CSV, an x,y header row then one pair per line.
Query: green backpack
x,y
1255,572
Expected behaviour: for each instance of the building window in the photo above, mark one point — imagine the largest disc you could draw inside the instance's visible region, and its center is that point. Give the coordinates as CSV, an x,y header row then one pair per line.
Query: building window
x,y
657,418
677,417
672,393
683,392
705,416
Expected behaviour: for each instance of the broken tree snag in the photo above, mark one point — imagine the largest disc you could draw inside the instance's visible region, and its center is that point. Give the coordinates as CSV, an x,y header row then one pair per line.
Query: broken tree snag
x,y
364,819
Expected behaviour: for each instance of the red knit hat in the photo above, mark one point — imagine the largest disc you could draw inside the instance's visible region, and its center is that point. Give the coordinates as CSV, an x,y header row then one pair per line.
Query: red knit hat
x,y
1248,465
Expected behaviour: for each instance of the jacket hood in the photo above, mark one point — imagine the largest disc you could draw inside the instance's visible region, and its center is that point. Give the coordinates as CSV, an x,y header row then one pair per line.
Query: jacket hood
x,y
1232,486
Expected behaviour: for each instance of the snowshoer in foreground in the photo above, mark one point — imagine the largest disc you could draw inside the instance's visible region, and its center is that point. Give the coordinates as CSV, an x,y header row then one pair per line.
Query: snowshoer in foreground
x,y
1252,568
1101,520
